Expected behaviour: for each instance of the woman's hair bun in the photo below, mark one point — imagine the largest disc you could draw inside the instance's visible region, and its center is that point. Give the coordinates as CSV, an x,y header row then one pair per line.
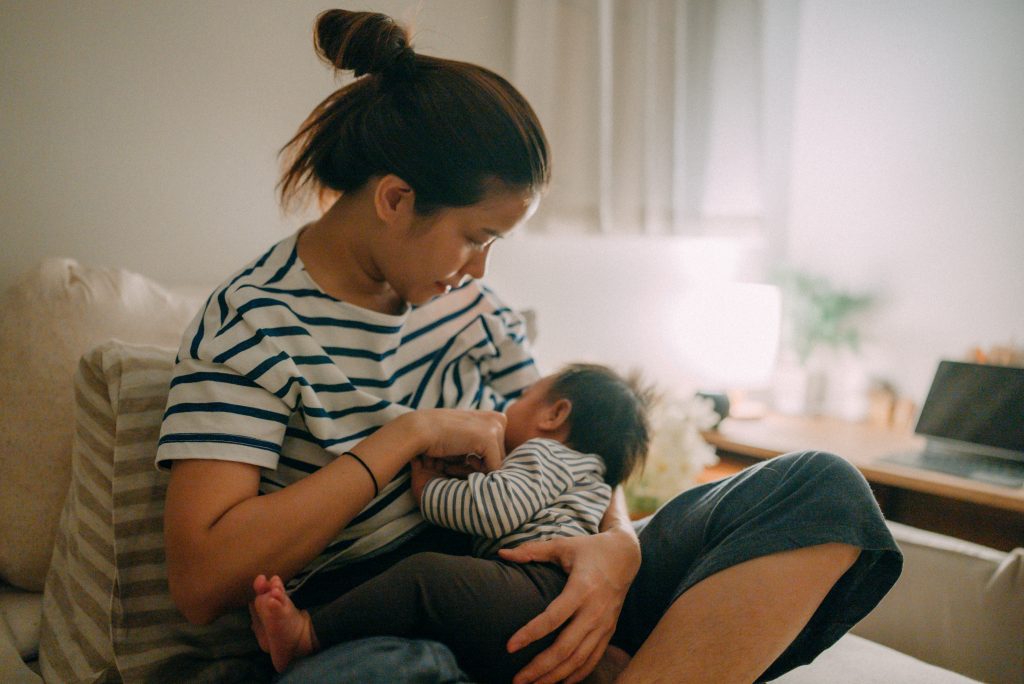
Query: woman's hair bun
x,y
365,43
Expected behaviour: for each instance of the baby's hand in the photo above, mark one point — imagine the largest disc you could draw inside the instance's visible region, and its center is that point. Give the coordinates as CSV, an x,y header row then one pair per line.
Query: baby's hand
x,y
471,463
424,469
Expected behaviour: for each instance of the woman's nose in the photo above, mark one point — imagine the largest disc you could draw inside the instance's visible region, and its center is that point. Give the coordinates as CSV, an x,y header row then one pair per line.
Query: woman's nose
x,y
477,266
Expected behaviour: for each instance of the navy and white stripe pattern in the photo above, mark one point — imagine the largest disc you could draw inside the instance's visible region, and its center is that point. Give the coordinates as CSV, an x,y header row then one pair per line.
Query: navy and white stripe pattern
x,y
543,490
274,372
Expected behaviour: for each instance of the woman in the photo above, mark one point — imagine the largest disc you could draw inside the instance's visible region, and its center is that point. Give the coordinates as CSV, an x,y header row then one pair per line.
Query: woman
x,y
290,421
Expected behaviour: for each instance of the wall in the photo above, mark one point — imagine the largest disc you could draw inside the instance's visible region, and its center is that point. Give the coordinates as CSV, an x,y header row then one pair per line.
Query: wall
x,y
134,130
908,169
663,305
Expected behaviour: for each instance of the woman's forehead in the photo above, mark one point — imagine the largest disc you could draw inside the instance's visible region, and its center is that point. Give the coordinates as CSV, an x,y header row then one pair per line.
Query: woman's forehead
x,y
513,204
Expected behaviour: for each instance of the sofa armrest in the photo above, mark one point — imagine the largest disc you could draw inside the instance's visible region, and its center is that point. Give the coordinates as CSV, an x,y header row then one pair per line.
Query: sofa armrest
x,y
958,605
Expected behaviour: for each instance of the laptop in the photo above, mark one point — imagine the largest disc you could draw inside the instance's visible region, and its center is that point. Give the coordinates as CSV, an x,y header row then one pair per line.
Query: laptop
x,y
973,424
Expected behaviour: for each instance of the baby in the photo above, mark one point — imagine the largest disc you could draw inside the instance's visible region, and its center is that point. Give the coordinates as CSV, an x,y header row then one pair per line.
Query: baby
x,y
570,438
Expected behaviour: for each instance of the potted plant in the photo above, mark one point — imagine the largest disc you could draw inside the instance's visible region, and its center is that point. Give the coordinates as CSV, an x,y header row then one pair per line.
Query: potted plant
x,y
821,372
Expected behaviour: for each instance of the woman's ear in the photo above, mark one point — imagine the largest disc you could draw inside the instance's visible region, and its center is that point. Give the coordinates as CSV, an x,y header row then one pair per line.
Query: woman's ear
x,y
394,200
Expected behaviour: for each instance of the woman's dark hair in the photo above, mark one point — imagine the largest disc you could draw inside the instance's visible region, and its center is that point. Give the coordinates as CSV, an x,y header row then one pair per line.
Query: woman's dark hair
x,y
609,416
449,129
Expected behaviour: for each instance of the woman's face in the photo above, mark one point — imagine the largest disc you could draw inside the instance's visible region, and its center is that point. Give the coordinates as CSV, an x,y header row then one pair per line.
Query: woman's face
x,y
438,252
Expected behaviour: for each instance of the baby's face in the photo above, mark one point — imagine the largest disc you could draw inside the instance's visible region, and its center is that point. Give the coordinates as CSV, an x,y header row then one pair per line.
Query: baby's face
x,y
524,415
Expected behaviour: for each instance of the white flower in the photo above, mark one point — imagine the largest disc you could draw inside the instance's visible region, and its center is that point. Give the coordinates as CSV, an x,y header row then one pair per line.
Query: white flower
x,y
677,452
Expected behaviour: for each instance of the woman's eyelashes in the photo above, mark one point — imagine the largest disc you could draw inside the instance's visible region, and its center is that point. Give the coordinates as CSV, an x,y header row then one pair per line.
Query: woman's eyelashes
x,y
478,244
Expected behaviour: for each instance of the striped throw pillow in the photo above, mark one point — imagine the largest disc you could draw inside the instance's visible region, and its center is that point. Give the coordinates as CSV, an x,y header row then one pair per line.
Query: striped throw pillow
x,y
75,643
107,611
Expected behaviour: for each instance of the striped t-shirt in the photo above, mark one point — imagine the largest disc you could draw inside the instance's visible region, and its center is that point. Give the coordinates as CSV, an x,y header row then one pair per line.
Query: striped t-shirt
x,y
274,372
543,490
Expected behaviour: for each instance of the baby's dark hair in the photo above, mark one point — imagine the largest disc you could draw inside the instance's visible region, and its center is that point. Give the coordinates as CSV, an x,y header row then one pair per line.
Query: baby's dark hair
x,y
609,416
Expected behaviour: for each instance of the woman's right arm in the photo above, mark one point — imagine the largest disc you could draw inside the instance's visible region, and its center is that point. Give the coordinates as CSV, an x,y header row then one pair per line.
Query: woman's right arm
x,y
220,533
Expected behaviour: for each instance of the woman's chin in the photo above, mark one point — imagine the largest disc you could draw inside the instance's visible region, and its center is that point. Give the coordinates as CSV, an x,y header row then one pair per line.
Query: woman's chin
x,y
424,295
439,289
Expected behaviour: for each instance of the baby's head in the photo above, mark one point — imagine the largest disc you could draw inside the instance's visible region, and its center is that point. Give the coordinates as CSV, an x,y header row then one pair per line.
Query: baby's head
x,y
588,408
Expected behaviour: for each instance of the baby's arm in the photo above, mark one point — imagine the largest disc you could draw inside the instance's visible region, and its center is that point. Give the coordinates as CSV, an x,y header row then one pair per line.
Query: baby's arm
x,y
499,502
423,471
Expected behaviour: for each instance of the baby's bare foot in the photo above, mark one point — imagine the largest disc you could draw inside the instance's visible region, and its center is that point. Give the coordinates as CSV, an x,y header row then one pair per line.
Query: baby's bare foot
x,y
260,585
287,632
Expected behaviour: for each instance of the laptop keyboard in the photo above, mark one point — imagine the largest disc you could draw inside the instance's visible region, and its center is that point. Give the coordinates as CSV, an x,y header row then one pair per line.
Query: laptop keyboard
x,y
988,469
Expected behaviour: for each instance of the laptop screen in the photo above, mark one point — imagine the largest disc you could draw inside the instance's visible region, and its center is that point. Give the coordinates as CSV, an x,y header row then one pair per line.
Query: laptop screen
x,y
977,404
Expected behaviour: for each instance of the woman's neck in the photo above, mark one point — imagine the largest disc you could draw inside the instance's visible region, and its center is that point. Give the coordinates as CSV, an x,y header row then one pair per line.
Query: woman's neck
x,y
337,250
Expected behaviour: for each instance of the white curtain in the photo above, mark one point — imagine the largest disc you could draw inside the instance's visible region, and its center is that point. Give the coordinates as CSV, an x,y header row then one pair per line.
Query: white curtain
x,y
655,110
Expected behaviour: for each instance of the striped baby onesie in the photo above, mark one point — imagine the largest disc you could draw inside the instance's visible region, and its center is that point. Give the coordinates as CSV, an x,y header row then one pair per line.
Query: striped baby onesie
x,y
543,489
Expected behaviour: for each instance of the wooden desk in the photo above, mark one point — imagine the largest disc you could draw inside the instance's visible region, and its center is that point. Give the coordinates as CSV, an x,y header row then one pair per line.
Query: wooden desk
x,y
977,511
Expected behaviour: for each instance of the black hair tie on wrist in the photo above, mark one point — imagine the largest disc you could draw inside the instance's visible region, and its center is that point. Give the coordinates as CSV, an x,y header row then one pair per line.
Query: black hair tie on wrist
x,y
373,478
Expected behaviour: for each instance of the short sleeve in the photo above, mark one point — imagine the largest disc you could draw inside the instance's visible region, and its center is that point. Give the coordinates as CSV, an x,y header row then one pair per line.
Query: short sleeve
x,y
232,393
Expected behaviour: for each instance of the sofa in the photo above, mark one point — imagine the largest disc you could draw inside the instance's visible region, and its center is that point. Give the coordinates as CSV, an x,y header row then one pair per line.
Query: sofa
x,y
85,357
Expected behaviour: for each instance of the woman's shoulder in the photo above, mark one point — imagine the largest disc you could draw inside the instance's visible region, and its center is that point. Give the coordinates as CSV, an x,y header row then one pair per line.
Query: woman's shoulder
x,y
271,290
277,280
273,270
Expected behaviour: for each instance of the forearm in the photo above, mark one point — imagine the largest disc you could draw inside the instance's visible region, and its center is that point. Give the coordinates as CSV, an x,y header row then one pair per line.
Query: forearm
x,y
220,535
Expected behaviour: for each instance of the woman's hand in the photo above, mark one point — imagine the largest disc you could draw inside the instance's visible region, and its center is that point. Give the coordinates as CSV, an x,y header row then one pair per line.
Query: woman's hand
x,y
452,434
600,568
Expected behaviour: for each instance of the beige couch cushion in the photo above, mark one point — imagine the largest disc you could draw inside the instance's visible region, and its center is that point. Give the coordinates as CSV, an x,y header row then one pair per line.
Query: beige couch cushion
x,y
48,319
20,615
853,660
107,611
958,605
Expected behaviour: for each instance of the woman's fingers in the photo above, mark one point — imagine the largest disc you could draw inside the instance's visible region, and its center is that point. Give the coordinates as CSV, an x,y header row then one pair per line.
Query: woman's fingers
x,y
564,605
557,612
577,666
571,650
552,664
454,433
572,657
492,448
596,652
536,552
588,606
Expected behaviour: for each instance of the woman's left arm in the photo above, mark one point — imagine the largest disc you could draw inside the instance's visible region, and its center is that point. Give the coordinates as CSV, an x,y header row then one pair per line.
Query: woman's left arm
x,y
600,567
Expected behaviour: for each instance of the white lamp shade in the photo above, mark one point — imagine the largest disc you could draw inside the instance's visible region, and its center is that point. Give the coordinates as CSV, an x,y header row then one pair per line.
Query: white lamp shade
x,y
728,334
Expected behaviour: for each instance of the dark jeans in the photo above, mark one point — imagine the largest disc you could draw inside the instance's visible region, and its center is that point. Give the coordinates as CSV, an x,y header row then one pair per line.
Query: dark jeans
x,y
790,502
